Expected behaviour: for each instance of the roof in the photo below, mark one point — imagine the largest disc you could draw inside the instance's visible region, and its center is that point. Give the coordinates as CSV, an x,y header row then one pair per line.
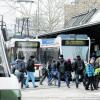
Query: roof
x,y
86,23
88,28
81,19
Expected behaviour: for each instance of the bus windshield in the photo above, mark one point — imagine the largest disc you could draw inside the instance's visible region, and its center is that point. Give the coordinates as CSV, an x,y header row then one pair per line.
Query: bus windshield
x,y
76,47
27,48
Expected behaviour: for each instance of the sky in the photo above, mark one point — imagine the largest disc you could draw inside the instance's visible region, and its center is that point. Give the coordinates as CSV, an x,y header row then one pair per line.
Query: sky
x,y
10,14
7,12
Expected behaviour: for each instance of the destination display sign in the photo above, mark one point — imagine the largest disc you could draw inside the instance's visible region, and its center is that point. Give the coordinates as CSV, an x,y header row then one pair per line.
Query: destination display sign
x,y
27,44
75,42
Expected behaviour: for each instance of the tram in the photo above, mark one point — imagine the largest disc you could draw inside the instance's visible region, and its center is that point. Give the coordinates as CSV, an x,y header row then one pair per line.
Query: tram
x,y
9,86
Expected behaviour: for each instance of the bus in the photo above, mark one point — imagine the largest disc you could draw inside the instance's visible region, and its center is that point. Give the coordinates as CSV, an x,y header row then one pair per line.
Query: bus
x,y
49,50
9,86
19,47
69,45
72,45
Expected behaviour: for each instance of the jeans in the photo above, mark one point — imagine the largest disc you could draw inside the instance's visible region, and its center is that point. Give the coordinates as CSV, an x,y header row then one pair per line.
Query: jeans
x,y
91,82
30,75
78,78
52,75
42,79
65,77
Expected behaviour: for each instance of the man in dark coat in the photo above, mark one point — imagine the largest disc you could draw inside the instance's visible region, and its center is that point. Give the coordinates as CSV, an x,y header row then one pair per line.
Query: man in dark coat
x,y
30,71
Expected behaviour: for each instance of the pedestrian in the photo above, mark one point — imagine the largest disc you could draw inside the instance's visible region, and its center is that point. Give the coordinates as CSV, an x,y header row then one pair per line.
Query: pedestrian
x,y
68,70
97,77
53,72
90,71
98,61
30,71
61,75
79,70
19,69
44,74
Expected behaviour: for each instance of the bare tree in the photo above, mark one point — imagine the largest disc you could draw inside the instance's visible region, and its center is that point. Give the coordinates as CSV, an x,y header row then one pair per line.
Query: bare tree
x,y
51,16
48,17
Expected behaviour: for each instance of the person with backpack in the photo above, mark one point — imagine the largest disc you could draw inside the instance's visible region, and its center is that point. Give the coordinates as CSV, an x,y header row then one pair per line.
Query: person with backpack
x,y
61,73
19,68
53,72
90,71
30,71
44,74
68,70
79,70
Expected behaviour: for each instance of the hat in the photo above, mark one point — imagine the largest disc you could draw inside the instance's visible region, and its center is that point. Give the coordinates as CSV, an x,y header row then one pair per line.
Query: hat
x,y
78,57
92,61
61,56
32,56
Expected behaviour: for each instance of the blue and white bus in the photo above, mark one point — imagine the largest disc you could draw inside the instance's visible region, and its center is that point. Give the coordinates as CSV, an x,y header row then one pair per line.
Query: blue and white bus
x,y
49,50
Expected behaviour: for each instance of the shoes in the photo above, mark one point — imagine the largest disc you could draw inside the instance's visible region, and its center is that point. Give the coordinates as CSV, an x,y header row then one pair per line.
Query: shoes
x,y
35,86
58,86
76,85
27,86
95,88
41,84
92,89
68,86
86,89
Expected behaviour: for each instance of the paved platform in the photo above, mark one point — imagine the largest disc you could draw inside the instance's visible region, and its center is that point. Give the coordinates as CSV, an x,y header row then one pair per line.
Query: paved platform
x,y
45,92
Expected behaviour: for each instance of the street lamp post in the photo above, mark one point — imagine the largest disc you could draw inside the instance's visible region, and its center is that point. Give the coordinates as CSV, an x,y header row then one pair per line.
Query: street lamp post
x,y
37,20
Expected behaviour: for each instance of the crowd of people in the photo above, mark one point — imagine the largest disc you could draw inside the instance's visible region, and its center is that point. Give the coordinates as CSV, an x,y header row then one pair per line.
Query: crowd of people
x,y
60,70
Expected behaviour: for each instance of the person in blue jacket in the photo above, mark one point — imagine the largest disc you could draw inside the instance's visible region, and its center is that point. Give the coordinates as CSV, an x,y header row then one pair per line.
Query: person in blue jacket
x,y
90,72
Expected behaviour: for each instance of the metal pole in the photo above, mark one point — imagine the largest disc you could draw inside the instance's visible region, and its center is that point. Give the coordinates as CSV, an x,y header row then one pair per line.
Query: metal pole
x,y
27,27
37,20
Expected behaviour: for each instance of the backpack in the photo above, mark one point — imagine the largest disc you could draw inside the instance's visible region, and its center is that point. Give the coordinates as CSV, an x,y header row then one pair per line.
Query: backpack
x,y
53,67
44,71
20,66
90,70
62,67
80,65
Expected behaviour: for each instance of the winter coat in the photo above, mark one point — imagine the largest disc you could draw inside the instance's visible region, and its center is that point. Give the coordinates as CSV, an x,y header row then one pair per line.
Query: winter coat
x,y
30,65
90,70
